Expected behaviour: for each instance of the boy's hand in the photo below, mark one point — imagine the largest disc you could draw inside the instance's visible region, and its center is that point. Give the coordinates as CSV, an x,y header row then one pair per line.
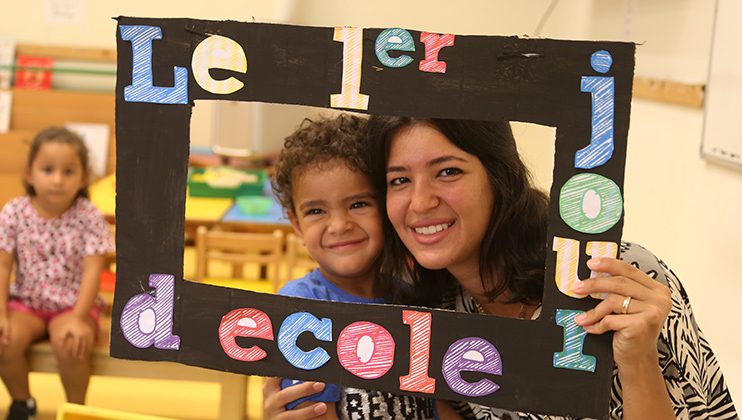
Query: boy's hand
x,y
275,400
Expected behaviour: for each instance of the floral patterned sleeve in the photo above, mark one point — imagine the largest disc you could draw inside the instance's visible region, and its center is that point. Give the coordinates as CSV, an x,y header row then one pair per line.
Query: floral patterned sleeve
x,y
8,223
98,238
692,375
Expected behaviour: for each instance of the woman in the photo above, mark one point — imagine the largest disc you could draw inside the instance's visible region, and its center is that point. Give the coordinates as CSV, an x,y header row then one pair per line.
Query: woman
x,y
461,207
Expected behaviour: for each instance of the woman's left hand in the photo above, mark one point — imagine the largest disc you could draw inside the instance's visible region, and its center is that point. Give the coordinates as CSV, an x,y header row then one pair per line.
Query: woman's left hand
x,y
635,309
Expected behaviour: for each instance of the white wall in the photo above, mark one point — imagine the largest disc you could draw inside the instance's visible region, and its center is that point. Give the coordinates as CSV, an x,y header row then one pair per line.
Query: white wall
x,y
686,210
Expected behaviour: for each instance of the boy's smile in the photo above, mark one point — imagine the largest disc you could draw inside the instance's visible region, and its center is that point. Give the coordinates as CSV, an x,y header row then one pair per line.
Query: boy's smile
x,y
337,214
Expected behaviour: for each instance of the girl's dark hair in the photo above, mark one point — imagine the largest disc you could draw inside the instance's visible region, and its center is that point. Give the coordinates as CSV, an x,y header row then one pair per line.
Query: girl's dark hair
x,y
63,136
513,251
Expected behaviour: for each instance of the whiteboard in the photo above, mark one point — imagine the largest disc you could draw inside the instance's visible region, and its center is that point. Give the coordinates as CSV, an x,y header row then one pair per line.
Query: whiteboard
x,y
722,136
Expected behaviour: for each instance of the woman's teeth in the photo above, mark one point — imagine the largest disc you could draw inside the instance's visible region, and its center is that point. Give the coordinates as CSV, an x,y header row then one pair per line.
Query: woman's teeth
x,y
429,230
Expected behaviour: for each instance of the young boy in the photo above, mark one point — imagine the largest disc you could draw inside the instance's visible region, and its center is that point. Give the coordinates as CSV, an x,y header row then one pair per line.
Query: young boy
x,y
322,181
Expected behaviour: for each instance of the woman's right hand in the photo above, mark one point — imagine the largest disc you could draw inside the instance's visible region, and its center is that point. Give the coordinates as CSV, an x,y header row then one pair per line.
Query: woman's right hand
x,y
275,400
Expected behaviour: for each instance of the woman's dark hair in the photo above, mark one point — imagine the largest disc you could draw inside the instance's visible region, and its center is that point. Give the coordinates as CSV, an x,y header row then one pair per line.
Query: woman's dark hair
x,y
513,252
63,136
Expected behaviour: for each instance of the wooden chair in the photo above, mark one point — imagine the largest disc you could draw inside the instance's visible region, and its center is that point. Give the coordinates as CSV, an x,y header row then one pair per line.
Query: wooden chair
x,y
297,257
239,248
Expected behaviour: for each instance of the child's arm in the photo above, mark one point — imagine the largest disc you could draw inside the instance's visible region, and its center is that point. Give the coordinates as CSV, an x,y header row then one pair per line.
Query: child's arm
x,y
6,266
92,265
77,336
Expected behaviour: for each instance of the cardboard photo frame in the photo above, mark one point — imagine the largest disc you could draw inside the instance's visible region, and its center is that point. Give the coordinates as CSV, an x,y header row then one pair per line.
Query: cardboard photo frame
x,y
548,365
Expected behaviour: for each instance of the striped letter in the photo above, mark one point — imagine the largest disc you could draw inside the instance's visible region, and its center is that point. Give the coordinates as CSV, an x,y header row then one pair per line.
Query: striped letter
x,y
291,329
350,96
244,322
218,52
574,339
141,88
418,379
366,349
601,90
394,39
472,354
433,44
590,203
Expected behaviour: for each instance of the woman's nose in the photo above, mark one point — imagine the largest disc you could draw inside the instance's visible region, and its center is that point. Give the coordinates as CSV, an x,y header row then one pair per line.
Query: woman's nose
x,y
423,198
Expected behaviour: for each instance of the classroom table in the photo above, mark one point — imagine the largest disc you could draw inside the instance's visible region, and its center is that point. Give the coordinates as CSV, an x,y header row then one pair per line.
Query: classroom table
x,y
274,218
200,211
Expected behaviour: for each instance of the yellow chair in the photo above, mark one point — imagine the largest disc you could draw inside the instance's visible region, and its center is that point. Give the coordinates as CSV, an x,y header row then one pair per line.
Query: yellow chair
x,y
238,249
297,257
69,411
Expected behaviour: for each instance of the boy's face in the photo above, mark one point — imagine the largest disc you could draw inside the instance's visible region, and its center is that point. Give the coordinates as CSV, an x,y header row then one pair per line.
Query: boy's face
x,y
337,215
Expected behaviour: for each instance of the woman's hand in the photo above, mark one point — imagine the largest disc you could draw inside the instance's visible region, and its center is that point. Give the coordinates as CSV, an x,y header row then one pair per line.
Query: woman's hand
x,y
275,400
636,308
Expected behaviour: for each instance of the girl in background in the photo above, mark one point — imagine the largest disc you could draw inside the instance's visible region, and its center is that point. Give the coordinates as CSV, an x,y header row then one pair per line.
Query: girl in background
x,y
57,239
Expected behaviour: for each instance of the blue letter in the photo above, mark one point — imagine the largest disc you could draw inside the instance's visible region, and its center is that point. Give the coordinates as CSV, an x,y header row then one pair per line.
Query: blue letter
x,y
574,339
601,89
396,39
291,329
141,88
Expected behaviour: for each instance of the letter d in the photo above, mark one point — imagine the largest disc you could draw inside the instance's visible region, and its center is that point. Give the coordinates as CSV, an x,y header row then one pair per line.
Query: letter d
x,y
148,319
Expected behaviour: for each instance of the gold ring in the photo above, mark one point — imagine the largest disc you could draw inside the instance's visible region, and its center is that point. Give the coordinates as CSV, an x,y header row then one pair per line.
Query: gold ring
x,y
625,305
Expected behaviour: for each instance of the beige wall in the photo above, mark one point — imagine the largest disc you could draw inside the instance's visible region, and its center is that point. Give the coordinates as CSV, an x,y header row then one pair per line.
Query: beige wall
x,y
686,210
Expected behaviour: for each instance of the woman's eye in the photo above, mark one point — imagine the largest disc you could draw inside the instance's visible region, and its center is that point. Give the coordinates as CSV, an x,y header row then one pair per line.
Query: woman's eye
x,y
450,172
399,181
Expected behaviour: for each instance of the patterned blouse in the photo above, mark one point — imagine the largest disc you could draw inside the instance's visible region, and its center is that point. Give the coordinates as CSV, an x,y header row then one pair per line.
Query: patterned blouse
x,y
692,375
49,252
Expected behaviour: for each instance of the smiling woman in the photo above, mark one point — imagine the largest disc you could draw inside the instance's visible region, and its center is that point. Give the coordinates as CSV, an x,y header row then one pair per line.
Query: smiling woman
x,y
461,203
467,226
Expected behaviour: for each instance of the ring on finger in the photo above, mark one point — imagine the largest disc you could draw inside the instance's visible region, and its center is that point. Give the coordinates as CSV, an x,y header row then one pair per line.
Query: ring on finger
x,y
625,305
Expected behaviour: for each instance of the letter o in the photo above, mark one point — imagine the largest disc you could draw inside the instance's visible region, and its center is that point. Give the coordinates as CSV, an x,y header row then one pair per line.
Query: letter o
x,y
366,349
590,203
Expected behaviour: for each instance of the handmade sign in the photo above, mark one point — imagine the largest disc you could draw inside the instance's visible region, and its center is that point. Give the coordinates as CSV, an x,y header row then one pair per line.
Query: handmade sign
x,y
544,366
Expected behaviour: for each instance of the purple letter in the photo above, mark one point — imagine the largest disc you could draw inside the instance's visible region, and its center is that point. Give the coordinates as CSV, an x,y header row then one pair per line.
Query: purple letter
x,y
148,319
476,355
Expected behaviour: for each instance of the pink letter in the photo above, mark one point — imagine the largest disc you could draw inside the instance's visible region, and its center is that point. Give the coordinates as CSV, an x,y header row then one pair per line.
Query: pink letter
x,y
418,379
244,322
433,44
366,349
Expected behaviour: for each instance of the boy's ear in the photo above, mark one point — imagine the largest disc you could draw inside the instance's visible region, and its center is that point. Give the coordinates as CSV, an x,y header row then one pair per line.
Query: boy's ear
x,y
295,224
